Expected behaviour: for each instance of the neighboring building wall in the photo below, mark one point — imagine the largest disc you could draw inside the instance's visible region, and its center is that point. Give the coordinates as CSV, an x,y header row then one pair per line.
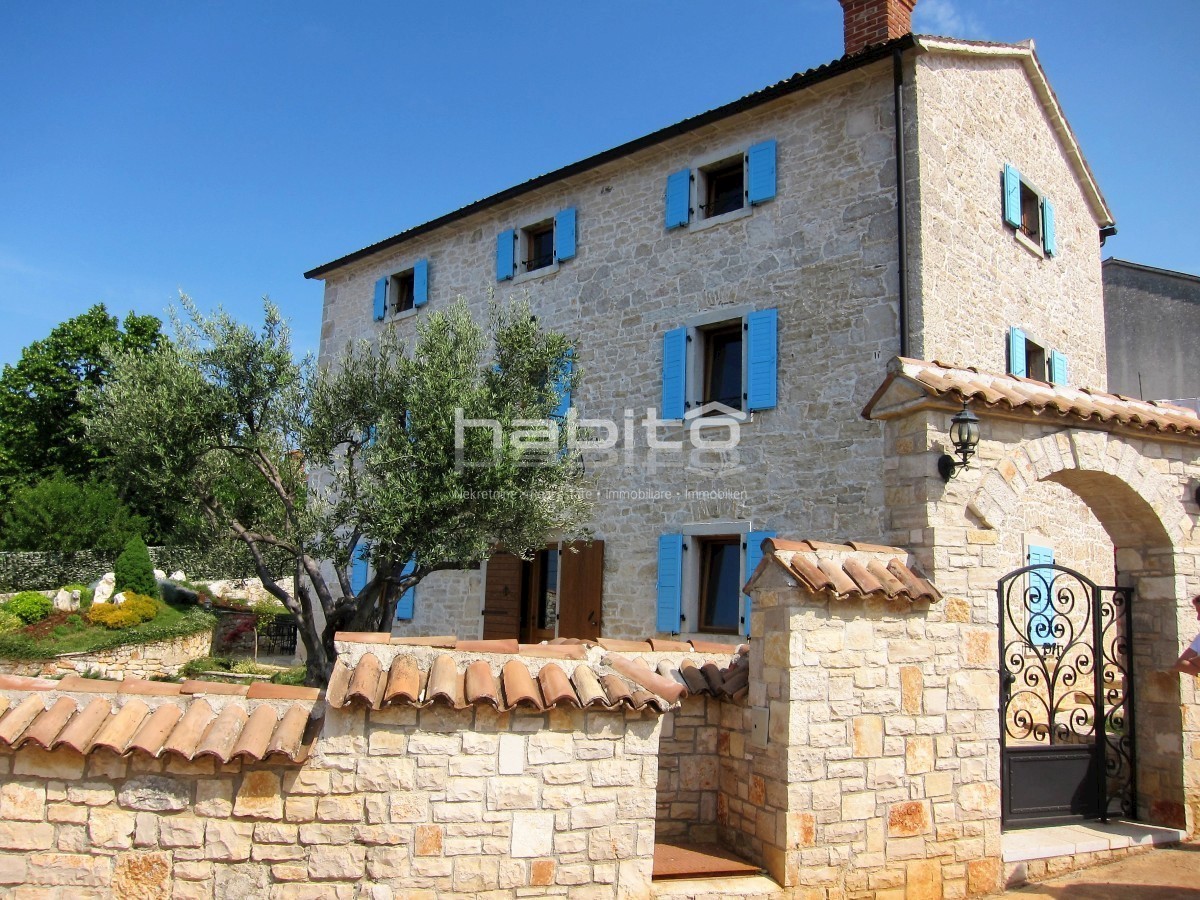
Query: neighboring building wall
x,y
823,252
392,803
154,660
971,277
1152,317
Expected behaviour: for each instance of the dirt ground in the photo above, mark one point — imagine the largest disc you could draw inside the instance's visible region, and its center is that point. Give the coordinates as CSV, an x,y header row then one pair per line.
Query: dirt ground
x,y
1169,874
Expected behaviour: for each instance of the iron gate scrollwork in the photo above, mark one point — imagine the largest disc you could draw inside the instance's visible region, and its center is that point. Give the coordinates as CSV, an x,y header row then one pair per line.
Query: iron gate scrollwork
x,y
1066,705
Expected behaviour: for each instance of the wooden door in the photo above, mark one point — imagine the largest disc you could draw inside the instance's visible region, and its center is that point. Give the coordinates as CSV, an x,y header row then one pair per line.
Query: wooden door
x,y
581,588
502,598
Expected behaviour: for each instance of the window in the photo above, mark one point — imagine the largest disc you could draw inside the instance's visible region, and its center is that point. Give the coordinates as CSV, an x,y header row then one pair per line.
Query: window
x,y
723,187
537,246
1029,213
724,184
402,291
720,580
718,359
1030,359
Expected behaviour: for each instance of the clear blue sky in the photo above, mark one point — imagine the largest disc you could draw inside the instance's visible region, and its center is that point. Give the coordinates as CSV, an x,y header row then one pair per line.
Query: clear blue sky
x,y
223,148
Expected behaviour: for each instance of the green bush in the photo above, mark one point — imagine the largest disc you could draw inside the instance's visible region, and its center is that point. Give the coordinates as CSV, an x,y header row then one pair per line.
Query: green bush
x,y
65,515
294,675
30,606
9,622
195,667
85,599
134,611
134,571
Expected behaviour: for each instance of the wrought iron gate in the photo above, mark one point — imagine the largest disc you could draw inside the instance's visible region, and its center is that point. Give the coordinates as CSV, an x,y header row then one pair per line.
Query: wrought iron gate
x,y
1066,704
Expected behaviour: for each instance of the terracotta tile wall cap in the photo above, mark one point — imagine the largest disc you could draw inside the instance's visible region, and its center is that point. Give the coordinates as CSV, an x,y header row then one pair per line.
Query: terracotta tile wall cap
x,y
890,583
507,647
403,681
519,687
288,738
366,682
864,580
265,690
694,679
588,687
781,544
715,678
556,686
20,717
154,732
664,646
479,685
643,675
119,730
191,686
862,547
222,733
256,735
916,586
443,642
149,688
186,736
22,683
842,583
713,647
625,646
444,682
84,726
78,685
554,651
810,576
363,637
46,727
616,691
339,682
4,705
642,698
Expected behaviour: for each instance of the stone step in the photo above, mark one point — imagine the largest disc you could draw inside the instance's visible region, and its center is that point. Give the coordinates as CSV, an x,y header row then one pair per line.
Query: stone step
x,y
741,887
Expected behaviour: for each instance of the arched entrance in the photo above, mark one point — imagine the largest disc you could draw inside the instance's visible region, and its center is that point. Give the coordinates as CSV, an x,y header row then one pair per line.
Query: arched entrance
x,y
1067,747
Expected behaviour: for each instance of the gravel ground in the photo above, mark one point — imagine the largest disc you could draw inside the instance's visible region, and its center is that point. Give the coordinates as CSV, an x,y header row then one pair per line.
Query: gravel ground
x,y
1169,874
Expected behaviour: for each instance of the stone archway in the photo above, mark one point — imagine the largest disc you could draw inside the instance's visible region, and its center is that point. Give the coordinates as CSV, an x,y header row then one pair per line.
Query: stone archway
x,y
1142,510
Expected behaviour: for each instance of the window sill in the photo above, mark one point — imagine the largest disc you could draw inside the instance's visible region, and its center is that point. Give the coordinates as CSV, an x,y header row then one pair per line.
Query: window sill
x,y
401,316
1029,244
706,422
536,273
702,224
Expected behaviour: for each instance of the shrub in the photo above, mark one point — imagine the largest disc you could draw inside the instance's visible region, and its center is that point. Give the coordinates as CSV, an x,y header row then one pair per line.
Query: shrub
x,y
9,622
65,515
195,667
294,675
134,611
85,598
74,620
134,571
30,606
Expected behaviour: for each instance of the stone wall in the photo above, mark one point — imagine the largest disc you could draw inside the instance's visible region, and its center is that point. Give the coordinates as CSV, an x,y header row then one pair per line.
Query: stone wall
x,y
154,660
393,803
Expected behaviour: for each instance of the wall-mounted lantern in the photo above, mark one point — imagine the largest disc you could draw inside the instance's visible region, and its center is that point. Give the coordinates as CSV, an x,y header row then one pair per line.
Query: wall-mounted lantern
x,y
964,435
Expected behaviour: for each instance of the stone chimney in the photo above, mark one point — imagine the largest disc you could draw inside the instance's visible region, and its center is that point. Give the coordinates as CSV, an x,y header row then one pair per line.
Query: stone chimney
x,y
875,21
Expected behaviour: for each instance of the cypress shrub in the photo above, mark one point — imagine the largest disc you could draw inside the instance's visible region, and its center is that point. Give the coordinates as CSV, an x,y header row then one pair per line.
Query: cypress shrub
x,y
134,571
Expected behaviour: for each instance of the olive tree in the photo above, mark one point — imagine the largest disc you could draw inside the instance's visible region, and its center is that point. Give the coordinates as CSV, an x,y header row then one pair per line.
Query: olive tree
x,y
374,456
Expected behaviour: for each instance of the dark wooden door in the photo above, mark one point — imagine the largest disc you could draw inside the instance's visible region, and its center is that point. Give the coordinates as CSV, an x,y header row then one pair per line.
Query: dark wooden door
x,y
581,588
502,598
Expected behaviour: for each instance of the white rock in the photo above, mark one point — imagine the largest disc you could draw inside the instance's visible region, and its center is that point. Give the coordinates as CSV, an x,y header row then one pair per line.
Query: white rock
x,y
118,599
177,576
160,575
66,601
104,590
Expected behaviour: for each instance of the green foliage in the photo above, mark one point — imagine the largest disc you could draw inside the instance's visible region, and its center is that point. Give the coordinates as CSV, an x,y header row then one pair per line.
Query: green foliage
x,y
169,623
30,606
86,596
42,428
136,609
293,675
66,515
74,621
266,612
195,667
9,622
134,571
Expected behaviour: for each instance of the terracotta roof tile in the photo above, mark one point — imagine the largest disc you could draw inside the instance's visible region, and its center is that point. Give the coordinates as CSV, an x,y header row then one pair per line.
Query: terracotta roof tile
x,y
487,646
118,730
479,685
1011,393
222,733
587,687
519,687
404,681
366,684
84,726
252,743
154,732
20,717
848,571
265,690
213,687
556,687
46,727
184,740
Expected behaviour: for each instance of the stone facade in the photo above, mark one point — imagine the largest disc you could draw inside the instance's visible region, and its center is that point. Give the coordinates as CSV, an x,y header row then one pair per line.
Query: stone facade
x,y
158,659
391,803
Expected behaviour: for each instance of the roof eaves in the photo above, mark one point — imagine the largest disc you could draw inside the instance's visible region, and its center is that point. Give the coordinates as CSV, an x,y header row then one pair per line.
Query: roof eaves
x,y
797,82
1027,54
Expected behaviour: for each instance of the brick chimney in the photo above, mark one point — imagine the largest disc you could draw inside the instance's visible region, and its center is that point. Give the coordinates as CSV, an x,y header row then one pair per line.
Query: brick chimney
x,y
875,21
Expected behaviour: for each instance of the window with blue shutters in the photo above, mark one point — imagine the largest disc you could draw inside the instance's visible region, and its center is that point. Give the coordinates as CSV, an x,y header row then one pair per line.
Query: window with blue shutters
x,y
762,359
1029,213
402,291
381,292
718,367
506,254
1030,359
674,373
720,187
670,583
1058,367
537,247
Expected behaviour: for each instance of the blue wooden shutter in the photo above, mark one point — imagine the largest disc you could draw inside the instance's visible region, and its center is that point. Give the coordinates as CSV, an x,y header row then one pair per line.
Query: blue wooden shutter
x,y
762,359
1049,237
670,582
360,564
506,254
753,555
1039,606
564,234
563,389
404,607
1012,196
760,180
1058,367
674,379
679,190
1016,352
380,299
421,282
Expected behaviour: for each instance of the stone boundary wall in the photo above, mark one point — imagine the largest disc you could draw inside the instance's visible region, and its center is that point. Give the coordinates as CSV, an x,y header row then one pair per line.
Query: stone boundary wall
x,y
435,803
156,659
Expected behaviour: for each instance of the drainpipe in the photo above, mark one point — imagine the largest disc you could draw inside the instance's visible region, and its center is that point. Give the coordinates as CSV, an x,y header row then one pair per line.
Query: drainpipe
x,y
901,196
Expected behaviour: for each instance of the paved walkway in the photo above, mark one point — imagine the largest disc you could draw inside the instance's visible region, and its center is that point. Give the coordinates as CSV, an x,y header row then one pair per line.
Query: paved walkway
x,y
1172,873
